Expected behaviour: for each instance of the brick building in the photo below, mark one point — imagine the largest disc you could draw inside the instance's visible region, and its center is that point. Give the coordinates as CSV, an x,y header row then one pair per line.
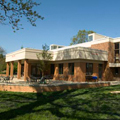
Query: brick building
x,y
99,57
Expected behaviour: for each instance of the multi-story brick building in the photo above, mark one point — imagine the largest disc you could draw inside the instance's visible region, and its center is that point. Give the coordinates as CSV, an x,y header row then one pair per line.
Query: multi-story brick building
x,y
99,57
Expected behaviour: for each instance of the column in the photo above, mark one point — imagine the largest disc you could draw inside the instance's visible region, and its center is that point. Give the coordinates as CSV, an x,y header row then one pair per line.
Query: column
x,y
7,69
56,73
11,69
29,70
65,71
19,69
25,70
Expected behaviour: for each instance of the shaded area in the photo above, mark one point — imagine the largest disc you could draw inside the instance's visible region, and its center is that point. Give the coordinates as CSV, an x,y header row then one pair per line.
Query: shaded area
x,y
92,103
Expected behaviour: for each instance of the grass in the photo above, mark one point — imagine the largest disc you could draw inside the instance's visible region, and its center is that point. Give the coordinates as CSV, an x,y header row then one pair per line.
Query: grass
x,y
92,103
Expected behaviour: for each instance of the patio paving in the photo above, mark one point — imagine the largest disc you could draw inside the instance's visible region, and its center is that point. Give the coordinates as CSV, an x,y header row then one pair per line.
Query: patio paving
x,y
16,81
51,82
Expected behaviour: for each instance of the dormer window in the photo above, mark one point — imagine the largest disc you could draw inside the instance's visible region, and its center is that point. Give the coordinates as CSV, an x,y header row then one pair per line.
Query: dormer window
x,y
90,38
53,47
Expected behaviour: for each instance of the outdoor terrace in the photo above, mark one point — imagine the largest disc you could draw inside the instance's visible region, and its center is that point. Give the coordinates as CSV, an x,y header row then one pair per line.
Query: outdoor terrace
x,y
16,85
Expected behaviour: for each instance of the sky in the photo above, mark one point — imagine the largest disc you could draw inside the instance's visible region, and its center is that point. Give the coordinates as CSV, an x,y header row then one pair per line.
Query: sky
x,y
63,20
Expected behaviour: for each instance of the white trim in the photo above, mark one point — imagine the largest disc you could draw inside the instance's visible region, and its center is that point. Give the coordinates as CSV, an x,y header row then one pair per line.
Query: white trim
x,y
65,54
115,40
96,33
16,52
114,64
86,44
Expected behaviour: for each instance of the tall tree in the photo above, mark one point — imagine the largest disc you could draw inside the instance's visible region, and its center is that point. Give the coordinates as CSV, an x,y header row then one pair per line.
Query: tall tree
x,y
2,60
2,51
44,59
12,11
81,37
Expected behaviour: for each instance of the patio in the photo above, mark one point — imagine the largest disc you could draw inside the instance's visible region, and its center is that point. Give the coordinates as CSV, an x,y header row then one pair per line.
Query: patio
x,y
50,82
19,85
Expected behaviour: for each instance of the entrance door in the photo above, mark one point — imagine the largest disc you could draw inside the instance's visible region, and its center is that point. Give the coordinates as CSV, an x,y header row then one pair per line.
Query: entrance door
x,y
100,71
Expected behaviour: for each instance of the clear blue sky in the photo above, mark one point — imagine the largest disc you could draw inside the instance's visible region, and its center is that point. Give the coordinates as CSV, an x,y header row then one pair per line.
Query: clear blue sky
x,y
63,19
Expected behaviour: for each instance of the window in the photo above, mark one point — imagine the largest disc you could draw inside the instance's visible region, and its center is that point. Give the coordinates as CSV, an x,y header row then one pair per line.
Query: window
x,y
53,47
90,38
116,71
116,53
117,49
89,68
60,68
33,70
71,68
59,46
116,45
52,68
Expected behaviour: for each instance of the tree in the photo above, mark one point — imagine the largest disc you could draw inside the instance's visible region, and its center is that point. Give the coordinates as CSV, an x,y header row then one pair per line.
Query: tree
x,y
12,12
22,47
2,51
2,60
44,59
81,37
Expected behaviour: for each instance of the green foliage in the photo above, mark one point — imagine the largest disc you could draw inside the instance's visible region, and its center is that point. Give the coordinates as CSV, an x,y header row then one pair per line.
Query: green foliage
x,y
81,37
12,12
2,65
22,47
2,60
44,57
2,52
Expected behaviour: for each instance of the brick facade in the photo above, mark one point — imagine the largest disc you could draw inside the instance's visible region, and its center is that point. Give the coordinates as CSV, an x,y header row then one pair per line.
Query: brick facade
x,y
101,46
108,72
79,72
39,89
79,67
109,47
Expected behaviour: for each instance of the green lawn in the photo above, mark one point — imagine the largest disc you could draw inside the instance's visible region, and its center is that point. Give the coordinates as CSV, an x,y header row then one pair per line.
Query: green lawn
x,y
92,103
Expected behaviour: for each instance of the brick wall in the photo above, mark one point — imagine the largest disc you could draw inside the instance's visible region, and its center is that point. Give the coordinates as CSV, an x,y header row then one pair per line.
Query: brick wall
x,y
101,46
2,74
79,72
38,89
65,71
109,47
107,73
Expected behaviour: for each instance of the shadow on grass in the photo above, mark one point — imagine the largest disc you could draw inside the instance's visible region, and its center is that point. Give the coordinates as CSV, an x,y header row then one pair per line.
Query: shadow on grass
x,y
90,103
29,108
